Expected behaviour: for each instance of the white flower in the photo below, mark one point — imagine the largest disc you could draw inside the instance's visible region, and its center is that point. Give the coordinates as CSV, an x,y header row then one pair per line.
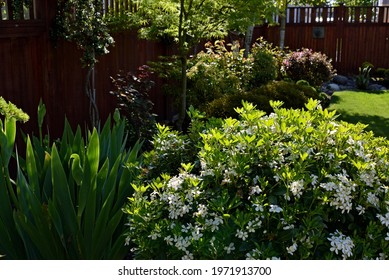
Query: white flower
x,y
169,240
241,234
187,256
314,179
361,209
350,141
274,259
253,255
341,243
181,243
292,248
387,236
196,233
153,195
297,188
382,256
275,209
175,182
384,219
154,235
255,189
201,211
253,225
258,207
214,223
230,248
372,199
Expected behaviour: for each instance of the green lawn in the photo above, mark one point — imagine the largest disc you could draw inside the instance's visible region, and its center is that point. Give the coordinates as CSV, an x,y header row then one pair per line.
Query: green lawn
x,y
370,108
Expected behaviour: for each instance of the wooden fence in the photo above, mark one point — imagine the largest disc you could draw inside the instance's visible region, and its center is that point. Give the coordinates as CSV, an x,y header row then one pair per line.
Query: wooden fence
x,y
33,67
348,35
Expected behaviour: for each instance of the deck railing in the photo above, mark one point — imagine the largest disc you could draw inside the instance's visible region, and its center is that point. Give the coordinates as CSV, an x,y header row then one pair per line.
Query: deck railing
x,y
19,10
343,14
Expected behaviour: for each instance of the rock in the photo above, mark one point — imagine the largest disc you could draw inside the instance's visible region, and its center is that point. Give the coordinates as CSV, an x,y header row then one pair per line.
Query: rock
x,y
333,87
376,87
340,80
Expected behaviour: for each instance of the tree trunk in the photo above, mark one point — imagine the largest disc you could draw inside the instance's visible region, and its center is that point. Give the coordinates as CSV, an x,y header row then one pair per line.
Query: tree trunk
x,y
90,91
184,65
184,79
282,29
247,40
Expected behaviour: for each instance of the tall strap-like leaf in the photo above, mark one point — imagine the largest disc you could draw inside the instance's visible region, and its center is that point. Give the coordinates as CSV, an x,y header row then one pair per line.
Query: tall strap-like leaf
x,y
61,196
90,170
32,171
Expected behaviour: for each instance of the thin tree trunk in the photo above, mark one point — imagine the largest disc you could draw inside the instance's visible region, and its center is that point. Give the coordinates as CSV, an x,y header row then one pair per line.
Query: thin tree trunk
x,y
184,65
90,91
247,40
184,81
282,29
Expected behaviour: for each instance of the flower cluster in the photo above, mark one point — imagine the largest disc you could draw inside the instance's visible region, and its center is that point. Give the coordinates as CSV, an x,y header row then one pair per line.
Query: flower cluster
x,y
341,243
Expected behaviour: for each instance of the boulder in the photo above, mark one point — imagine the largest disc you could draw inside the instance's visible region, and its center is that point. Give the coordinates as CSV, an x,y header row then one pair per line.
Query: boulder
x,y
333,87
340,80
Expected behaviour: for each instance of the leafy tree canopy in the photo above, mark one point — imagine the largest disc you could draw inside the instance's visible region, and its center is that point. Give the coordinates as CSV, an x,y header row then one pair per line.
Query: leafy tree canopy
x,y
201,19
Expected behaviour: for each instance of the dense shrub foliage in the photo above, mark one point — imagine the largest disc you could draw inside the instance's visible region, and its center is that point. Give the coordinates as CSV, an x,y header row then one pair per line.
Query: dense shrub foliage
x,y
215,73
65,200
296,184
264,66
131,92
314,67
293,95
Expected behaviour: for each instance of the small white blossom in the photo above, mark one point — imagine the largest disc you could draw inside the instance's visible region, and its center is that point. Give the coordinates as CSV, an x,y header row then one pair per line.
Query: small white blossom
x,y
255,190
275,209
213,224
314,179
387,236
176,182
181,243
154,235
241,234
201,211
341,243
372,199
292,248
253,255
230,248
196,233
253,225
382,256
384,219
169,240
153,195
274,259
360,209
187,256
297,188
258,207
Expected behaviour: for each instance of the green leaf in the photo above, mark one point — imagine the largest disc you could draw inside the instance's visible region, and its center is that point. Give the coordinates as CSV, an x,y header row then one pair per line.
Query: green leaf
x,y
61,195
8,140
32,171
93,152
77,171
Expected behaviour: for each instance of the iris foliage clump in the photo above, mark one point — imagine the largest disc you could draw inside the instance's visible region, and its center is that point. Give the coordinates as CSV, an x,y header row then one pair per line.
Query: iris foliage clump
x,y
295,184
